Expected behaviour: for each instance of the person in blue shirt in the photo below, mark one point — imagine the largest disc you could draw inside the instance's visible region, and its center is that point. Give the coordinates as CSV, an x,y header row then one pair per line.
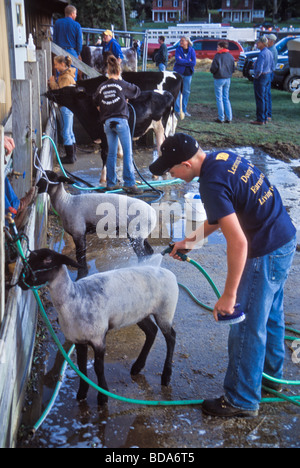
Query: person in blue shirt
x,y
261,242
68,33
263,69
111,47
272,48
185,61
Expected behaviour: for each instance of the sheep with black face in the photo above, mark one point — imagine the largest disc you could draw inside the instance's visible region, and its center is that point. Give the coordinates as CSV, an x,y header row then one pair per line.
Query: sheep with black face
x,y
90,307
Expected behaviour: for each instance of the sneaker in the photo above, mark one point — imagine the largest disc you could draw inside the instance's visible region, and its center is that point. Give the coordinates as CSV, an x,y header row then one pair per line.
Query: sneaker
x,y
256,122
113,187
187,114
133,189
219,121
221,407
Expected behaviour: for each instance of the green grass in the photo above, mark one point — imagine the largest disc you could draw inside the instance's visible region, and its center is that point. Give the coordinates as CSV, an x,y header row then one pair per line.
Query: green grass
x,y
281,138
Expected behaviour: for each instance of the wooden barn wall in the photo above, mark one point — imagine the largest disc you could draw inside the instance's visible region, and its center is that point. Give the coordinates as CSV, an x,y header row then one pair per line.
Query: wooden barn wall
x,y
17,331
39,17
18,323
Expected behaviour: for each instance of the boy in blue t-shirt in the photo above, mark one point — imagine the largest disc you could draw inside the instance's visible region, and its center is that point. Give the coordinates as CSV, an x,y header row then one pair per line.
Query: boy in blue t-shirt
x,y
261,242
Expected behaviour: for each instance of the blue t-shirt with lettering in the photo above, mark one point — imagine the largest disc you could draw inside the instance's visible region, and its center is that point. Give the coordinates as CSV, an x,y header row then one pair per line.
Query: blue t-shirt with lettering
x,y
231,184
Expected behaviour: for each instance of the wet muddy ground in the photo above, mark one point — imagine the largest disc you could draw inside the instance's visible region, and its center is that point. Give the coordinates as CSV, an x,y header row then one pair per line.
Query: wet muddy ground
x,y
200,357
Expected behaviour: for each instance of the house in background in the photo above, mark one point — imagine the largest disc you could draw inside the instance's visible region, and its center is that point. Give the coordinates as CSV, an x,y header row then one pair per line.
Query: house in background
x,y
240,11
166,11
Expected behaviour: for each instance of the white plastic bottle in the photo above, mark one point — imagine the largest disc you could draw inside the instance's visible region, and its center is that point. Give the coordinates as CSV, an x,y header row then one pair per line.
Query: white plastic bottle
x,y
195,215
31,53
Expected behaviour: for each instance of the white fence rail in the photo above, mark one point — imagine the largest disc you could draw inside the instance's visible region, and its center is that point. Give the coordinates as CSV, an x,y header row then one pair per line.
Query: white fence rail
x,y
173,33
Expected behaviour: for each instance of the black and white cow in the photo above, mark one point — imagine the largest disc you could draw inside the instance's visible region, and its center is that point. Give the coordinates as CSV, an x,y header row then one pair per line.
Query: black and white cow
x,y
93,56
154,108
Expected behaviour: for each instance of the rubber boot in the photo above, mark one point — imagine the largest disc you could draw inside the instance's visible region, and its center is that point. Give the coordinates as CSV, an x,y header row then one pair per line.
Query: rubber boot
x,y
69,158
74,151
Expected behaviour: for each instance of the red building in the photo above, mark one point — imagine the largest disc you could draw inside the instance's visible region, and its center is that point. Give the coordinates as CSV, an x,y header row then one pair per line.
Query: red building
x,y
240,11
166,11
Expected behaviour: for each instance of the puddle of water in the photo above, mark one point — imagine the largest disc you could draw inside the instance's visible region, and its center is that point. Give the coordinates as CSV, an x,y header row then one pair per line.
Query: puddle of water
x,y
199,361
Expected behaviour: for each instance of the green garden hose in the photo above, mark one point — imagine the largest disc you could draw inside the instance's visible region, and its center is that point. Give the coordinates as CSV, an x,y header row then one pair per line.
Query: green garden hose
x,y
154,183
67,356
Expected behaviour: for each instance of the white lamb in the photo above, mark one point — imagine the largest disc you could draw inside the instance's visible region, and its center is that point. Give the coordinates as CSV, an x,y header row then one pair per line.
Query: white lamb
x,y
81,214
90,307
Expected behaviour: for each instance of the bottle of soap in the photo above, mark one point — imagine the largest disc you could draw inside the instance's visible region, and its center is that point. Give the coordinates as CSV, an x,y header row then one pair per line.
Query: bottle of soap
x,y
31,53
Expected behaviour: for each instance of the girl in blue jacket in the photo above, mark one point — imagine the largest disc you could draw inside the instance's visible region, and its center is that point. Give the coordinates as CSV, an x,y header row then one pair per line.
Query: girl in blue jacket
x,y
185,61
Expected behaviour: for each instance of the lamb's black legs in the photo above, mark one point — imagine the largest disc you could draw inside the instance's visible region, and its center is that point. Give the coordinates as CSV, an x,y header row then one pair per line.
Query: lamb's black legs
x,y
81,350
99,369
170,338
150,330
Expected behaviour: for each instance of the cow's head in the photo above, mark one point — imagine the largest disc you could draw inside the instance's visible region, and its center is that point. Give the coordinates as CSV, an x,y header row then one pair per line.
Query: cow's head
x,y
82,105
66,96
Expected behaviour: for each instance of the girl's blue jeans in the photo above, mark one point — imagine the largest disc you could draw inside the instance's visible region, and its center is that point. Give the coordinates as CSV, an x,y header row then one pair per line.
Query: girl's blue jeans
x,y
118,128
256,345
222,87
186,91
66,123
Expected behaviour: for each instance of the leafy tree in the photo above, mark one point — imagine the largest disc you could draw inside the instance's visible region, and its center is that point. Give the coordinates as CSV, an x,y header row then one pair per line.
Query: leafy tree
x,y
101,13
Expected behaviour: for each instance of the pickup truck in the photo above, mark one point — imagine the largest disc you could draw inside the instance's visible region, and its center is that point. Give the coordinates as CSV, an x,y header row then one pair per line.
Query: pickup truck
x,y
282,78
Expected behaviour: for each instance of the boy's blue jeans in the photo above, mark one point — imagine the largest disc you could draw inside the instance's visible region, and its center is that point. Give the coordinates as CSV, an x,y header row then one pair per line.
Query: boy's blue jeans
x,y
118,128
222,87
256,345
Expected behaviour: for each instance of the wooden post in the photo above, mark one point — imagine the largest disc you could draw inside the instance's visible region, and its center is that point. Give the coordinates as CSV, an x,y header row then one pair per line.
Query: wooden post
x,y
32,73
22,132
41,56
2,224
46,46
89,71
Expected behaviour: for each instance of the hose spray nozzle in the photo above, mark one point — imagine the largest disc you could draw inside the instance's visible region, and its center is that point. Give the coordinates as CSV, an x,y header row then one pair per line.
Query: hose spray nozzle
x,y
169,250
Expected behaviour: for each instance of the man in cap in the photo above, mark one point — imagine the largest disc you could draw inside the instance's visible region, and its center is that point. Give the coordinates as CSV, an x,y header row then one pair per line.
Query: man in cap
x,y
272,48
111,46
261,242
263,68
